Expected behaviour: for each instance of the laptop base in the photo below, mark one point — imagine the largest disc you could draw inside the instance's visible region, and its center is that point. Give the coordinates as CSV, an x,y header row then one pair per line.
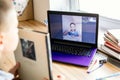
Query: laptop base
x,y
73,59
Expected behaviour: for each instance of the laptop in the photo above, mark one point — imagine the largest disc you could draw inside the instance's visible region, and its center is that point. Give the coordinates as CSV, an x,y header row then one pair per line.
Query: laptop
x,y
73,36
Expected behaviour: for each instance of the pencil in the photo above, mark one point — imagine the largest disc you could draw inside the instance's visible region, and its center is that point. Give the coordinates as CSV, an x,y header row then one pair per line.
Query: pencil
x,y
109,76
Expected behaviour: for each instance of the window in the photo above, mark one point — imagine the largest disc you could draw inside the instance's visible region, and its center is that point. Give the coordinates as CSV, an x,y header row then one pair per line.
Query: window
x,y
106,8
59,5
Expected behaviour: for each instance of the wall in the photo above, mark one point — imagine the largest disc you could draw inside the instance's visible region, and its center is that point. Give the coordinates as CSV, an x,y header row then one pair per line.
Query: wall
x,y
40,9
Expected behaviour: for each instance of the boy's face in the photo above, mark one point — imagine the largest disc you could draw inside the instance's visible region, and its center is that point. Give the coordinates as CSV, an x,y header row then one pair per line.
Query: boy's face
x,y
10,37
73,27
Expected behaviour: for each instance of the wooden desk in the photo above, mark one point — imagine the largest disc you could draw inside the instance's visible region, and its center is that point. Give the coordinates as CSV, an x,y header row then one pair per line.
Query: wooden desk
x,y
72,72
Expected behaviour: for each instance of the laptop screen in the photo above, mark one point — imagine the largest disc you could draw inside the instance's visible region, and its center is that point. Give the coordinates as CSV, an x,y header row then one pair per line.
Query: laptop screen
x,y
73,27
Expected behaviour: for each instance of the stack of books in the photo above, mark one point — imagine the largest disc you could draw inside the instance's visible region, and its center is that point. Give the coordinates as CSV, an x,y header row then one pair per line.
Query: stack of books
x,y
112,43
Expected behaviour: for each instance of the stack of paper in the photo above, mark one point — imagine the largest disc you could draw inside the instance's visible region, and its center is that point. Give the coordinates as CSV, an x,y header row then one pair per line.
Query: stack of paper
x,y
112,42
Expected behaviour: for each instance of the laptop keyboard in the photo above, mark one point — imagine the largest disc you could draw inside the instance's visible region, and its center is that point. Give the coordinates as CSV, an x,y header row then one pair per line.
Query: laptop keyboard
x,y
72,50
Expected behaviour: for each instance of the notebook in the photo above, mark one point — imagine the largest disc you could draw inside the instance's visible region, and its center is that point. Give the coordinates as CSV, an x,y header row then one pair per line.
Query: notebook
x,y
71,32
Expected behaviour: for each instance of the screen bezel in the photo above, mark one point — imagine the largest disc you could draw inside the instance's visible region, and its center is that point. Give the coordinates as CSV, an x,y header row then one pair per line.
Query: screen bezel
x,y
73,43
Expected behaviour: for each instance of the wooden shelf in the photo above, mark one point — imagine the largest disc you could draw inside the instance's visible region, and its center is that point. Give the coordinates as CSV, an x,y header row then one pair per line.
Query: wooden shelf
x,y
33,25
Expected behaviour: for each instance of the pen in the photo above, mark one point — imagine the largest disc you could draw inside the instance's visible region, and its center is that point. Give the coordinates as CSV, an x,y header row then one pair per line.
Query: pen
x,y
95,68
90,68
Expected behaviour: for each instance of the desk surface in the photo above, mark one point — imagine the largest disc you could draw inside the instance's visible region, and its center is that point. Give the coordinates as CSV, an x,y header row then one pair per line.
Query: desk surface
x,y
72,72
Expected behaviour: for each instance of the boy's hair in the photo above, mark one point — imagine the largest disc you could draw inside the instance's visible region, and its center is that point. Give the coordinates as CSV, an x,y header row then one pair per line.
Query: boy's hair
x,y
5,6
72,24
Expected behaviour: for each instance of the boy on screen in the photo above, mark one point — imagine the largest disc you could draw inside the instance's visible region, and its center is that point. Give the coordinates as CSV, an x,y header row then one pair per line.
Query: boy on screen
x,y
72,28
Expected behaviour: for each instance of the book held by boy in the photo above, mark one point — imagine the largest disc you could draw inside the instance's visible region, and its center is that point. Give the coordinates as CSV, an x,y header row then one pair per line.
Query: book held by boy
x,y
33,53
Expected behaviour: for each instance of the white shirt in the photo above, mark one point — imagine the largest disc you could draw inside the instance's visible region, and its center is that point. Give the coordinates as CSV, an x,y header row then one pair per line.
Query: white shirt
x,y
6,76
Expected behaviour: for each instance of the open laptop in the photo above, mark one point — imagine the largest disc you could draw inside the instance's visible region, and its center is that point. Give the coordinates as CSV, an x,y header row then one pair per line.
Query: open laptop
x,y
73,36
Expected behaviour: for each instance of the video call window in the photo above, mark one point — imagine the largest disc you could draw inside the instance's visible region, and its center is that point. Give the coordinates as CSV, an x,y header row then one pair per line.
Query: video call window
x,y
73,28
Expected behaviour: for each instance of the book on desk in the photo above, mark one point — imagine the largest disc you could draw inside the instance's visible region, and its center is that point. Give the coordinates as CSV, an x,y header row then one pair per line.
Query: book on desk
x,y
111,46
111,43
33,53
